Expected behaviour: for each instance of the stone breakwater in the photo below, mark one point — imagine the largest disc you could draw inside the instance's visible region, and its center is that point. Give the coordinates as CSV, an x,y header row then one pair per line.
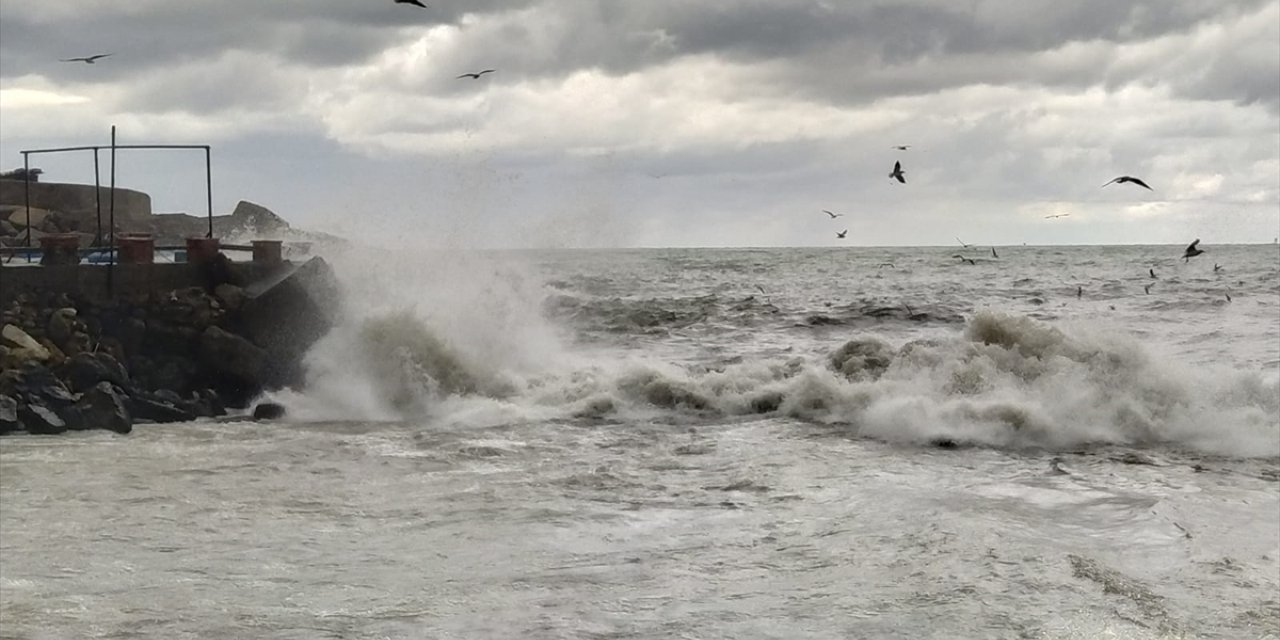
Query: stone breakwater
x,y
70,362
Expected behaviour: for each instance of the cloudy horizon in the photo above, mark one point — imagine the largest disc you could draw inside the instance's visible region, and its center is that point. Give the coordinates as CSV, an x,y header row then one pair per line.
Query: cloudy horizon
x,y
612,124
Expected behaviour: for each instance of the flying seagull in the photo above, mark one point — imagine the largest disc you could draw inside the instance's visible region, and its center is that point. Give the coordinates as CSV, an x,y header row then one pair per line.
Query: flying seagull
x,y
1057,215
901,147
1079,291
1192,251
840,234
415,3
1147,289
1124,179
898,173
1216,267
1152,272
963,243
833,215
86,59
476,76
993,253
964,259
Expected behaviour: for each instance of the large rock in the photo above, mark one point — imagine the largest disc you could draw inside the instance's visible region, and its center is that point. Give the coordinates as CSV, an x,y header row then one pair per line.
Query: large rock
x,y
256,218
22,347
102,407
19,217
8,415
287,313
62,324
84,371
157,408
229,354
40,419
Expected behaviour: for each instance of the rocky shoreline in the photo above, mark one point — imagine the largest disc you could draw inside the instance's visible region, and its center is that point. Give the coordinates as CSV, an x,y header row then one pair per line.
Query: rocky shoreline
x,y
168,356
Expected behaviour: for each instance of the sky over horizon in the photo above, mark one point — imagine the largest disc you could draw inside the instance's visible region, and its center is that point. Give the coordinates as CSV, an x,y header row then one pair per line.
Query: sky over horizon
x,y
671,123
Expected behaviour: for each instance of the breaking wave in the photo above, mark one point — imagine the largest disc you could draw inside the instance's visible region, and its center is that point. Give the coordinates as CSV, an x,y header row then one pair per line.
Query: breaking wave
x,y
1004,381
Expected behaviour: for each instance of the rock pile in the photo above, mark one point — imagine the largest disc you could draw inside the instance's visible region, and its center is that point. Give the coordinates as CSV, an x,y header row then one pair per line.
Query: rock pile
x,y
165,357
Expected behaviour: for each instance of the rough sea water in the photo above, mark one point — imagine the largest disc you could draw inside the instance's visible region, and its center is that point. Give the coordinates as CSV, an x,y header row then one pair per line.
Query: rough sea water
x,y
771,443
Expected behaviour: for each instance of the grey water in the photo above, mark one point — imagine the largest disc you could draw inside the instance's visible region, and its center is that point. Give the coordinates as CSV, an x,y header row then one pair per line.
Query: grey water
x,y
694,443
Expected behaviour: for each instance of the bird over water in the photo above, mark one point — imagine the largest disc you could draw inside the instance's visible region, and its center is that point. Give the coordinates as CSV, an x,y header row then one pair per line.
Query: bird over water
x,y
1124,179
898,173
415,3
86,59
476,76
1192,251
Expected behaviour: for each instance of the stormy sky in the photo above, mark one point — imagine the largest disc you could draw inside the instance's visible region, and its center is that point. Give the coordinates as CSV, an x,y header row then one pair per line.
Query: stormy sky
x,y
614,123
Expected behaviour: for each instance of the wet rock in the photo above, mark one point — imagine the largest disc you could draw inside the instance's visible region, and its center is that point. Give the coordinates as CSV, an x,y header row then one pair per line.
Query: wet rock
x,y
154,408
230,354
268,411
84,371
231,296
8,415
41,420
102,407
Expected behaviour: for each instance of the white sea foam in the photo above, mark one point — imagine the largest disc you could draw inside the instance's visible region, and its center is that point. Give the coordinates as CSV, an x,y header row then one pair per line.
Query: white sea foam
x,y
462,339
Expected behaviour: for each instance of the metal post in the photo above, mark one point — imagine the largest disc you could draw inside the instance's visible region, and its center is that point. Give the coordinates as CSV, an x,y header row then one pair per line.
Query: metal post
x,y
97,198
26,193
111,207
208,187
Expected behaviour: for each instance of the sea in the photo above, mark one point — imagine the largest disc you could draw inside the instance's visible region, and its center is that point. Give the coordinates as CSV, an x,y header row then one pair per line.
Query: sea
x,y
790,443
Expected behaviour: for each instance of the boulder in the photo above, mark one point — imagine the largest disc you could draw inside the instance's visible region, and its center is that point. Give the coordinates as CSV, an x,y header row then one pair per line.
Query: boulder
x,y
268,411
22,347
103,407
19,217
62,324
232,297
8,415
40,419
155,408
256,218
85,370
230,354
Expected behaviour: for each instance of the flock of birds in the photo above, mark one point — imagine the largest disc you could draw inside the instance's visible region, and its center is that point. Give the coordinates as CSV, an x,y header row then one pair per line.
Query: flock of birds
x,y
900,175
898,172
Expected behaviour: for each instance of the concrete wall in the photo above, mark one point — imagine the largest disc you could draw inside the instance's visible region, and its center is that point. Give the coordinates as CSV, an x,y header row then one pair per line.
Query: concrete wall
x,y
98,282
132,207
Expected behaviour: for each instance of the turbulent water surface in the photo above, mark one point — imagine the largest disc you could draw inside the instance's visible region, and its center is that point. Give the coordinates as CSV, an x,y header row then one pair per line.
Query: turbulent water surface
x,y
772,443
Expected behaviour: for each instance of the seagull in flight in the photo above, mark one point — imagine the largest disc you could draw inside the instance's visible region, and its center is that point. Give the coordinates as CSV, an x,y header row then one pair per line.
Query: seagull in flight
x,y
415,3
964,259
840,234
1057,215
1147,289
1152,272
901,147
476,76
1124,179
898,173
993,253
86,59
1192,251
963,243
833,215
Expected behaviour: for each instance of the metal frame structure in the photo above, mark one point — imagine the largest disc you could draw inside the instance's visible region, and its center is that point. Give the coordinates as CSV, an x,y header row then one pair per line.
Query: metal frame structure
x,y
97,183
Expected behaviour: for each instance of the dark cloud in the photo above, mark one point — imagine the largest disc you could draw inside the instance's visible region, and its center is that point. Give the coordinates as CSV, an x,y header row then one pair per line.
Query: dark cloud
x,y
740,108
